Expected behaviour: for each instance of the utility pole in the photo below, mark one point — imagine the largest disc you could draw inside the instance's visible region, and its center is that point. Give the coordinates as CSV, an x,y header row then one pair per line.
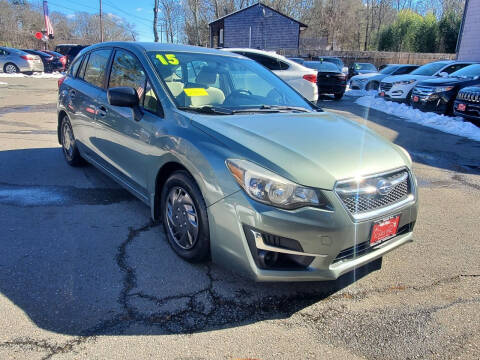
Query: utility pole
x,y
101,23
155,21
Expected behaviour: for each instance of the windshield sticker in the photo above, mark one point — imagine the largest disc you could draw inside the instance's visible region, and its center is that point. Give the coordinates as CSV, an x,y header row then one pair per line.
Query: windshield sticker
x,y
168,59
195,92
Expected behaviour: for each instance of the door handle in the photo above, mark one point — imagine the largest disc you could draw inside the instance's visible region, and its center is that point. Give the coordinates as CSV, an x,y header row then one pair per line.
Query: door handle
x,y
102,111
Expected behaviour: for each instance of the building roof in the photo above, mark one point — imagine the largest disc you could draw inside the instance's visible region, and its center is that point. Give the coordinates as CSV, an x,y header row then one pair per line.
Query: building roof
x,y
256,4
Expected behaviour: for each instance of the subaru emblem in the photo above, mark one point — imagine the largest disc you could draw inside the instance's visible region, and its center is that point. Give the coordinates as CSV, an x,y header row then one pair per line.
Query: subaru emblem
x,y
384,187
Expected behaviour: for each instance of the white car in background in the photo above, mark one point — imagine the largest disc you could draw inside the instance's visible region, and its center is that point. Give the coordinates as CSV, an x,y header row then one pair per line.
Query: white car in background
x,y
301,78
400,87
371,81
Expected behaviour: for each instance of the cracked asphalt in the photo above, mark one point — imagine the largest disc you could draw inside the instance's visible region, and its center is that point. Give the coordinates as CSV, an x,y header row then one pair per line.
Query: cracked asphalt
x,y
86,274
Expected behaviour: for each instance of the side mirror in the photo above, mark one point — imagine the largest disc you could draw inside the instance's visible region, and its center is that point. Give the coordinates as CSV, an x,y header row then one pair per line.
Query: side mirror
x,y
122,96
443,74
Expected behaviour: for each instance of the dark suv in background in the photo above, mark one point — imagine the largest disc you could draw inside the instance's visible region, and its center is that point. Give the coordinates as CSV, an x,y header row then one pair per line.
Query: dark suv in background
x,y
69,50
438,95
467,104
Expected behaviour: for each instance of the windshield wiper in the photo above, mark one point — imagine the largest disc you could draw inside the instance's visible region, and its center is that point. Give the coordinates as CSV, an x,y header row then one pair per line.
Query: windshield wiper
x,y
207,110
271,109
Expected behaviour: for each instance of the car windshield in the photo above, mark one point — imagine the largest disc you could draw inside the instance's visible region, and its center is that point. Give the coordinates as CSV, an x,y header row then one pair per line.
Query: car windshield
x,y
365,66
467,72
225,84
388,69
321,66
428,69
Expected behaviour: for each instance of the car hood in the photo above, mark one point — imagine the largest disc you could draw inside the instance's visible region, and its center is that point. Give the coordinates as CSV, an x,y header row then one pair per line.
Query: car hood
x,y
363,72
366,76
446,81
405,77
311,149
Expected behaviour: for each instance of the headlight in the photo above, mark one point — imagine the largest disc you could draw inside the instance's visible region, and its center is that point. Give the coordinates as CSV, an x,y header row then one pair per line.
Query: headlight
x,y
443,89
269,188
404,82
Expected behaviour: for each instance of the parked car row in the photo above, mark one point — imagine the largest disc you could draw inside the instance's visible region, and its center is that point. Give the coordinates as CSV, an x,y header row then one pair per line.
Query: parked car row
x,y
29,60
452,88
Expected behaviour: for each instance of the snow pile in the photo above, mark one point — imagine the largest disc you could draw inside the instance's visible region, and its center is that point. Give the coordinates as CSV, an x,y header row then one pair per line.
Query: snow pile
x,y
450,125
54,75
3,83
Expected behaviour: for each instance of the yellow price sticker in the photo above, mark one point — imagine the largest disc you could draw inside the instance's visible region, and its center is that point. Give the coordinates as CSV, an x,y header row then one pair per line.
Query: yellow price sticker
x,y
167,59
195,92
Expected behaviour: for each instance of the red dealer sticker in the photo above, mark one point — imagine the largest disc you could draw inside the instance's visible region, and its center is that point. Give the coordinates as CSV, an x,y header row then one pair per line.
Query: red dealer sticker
x,y
384,230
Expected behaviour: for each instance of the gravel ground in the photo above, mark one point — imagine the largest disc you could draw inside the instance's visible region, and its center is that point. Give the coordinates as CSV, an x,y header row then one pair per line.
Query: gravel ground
x,y
85,274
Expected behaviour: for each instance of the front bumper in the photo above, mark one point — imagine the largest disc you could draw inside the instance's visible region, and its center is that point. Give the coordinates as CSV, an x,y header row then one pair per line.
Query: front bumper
x,y
471,113
396,92
323,235
431,103
357,85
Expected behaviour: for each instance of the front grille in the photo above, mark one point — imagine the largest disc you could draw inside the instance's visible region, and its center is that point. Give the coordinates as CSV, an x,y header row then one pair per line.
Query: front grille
x,y
384,86
364,247
422,91
358,203
469,96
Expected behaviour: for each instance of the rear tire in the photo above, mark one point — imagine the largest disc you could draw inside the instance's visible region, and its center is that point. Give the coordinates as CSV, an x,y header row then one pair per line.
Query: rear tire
x,y
10,68
69,145
184,217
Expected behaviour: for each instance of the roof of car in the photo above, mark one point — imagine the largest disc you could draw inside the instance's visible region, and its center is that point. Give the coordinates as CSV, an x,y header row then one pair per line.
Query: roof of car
x,y
266,53
155,46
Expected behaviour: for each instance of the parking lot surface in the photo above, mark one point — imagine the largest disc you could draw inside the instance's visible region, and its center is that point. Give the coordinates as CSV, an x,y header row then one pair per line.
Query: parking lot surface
x,y
85,273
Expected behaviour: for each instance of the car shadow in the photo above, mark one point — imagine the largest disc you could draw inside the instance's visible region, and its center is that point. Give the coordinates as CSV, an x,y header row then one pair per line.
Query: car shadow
x,y
426,145
81,256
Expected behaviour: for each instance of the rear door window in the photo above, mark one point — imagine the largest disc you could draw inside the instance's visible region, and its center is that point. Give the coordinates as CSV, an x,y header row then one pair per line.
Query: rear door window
x,y
96,67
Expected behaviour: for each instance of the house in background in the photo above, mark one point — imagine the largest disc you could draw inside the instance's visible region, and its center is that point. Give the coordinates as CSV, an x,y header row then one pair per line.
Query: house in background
x,y
468,45
257,26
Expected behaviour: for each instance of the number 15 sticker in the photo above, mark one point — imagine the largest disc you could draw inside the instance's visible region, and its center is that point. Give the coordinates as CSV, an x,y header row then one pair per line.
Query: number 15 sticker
x,y
167,59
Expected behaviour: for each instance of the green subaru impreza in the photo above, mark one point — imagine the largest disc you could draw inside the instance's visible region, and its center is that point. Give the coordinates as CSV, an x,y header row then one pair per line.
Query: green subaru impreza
x,y
237,165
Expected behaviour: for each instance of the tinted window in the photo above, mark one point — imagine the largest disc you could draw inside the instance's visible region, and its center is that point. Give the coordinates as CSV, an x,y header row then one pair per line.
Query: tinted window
x,y
338,62
403,70
96,66
429,69
388,69
468,71
74,67
127,71
270,63
452,68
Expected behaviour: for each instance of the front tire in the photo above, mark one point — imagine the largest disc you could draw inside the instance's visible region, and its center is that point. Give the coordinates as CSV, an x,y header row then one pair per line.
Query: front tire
x,y
184,217
10,68
69,145
372,85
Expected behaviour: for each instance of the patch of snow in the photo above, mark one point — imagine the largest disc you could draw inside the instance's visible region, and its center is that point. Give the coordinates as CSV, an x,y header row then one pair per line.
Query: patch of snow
x,y
447,124
35,75
3,83
358,93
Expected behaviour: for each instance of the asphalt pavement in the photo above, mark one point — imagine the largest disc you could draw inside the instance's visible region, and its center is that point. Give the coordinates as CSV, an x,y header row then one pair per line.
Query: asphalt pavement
x,y
86,274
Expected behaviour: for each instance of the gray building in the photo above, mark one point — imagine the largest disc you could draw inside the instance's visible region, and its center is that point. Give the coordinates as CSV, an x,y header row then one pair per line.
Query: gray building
x,y
257,26
468,46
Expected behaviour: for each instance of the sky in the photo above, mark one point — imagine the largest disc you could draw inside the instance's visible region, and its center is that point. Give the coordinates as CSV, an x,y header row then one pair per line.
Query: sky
x,y
137,12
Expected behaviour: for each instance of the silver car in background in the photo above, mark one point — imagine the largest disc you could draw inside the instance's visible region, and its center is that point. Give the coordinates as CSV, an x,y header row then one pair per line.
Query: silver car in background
x,y
15,61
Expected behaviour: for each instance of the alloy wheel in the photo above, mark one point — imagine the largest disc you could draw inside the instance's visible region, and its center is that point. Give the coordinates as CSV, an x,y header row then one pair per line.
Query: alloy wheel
x,y
68,141
10,69
182,218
